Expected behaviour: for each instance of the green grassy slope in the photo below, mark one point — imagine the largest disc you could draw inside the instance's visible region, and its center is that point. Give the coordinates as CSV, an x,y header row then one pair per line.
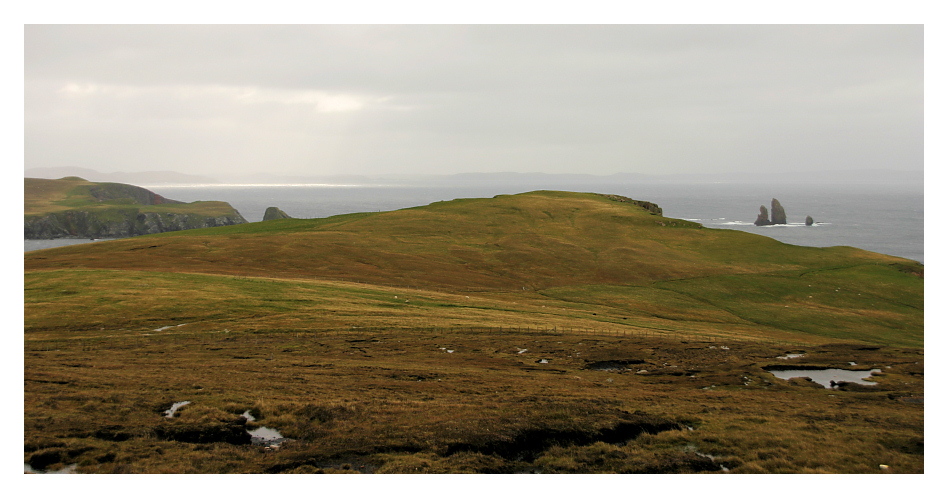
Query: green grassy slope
x,y
616,259
43,196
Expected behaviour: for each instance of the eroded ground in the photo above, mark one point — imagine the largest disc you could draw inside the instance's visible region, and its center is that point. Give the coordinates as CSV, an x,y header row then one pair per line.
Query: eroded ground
x,y
453,401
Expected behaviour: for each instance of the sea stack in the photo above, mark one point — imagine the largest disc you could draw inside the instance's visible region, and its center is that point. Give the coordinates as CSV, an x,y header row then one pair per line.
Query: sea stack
x,y
777,215
763,218
275,213
809,221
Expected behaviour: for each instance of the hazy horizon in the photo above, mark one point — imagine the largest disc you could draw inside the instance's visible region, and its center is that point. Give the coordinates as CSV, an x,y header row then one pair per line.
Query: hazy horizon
x,y
315,101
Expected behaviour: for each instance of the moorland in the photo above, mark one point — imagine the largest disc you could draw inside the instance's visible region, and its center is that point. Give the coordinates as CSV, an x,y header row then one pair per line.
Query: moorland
x,y
539,332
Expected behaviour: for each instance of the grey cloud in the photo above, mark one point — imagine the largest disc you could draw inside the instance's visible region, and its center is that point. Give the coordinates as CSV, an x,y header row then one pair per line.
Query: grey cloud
x,y
599,99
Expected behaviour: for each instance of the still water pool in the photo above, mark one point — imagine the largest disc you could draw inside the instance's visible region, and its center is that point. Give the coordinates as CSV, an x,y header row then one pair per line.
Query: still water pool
x,y
827,377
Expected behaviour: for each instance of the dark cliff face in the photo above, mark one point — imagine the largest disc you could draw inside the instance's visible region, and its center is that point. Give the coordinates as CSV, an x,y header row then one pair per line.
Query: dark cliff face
x,y
118,223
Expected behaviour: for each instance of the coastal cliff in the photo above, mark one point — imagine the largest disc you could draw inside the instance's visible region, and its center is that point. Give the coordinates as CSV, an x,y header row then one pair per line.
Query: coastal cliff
x,y
75,208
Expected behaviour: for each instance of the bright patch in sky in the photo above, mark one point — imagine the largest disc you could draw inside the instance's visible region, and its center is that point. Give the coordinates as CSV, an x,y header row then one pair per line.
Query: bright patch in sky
x,y
320,101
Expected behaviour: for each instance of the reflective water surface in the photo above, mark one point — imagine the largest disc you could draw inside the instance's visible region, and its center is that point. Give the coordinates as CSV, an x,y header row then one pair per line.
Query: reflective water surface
x,y
828,377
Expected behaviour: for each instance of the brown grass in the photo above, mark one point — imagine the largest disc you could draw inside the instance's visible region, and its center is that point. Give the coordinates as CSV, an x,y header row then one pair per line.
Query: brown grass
x,y
337,332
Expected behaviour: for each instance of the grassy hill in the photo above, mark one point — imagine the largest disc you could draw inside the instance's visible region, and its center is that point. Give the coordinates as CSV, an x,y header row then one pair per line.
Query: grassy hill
x,y
73,207
443,338
583,249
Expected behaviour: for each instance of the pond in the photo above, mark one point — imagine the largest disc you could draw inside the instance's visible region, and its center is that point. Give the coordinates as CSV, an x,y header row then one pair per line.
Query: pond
x,y
263,435
827,377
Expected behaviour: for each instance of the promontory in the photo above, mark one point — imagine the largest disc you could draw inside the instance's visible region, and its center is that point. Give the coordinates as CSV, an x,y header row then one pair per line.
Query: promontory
x,y
72,207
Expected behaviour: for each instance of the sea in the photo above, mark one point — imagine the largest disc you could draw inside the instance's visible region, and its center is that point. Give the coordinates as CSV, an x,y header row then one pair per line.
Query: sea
x,y
887,219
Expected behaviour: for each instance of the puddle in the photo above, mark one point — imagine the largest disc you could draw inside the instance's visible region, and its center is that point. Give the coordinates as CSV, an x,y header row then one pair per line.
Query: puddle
x,y
161,329
263,436
790,356
69,469
828,377
266,436
169,413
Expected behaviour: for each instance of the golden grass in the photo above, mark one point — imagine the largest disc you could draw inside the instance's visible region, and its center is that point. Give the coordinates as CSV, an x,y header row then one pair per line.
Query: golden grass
x,y
412,341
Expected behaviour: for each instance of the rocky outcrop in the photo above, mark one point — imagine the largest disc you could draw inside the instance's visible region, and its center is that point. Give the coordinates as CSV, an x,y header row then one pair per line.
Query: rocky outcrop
x,y
809,221
117,223
778,215
275,213
648,206
763,218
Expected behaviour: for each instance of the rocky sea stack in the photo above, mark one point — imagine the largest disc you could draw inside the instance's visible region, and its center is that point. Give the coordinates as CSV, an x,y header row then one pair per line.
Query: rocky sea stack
x,y
778,215
275,213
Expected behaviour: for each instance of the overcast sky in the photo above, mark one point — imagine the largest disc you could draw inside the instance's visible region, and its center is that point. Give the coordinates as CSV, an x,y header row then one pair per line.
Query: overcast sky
x,y
323,100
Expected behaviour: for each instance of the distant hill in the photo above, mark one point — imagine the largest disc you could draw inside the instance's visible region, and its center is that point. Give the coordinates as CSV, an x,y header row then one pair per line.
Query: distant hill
x,y
74,207
579,180
134,178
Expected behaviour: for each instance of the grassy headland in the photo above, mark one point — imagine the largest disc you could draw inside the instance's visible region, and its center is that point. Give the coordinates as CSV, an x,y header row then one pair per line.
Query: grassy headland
x,y
73,207
337,332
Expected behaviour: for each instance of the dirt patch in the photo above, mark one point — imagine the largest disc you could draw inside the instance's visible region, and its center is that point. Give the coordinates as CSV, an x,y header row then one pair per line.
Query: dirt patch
x,y
231,433
613,365
527,445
